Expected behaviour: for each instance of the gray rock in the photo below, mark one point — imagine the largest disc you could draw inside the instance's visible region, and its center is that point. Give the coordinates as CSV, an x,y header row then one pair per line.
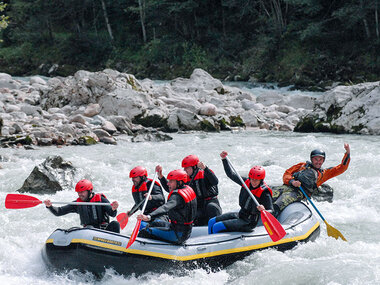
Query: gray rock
x,y
109,127
37,79
9,83
18,128
44,141
346,109
108,140
9,108
53,175
121,124
30,109
92,110
208,109
78,119
247,104
5,76
101,133
152,137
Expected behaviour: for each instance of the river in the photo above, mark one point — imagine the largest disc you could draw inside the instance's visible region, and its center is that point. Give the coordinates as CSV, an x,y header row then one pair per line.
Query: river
x,y
355,210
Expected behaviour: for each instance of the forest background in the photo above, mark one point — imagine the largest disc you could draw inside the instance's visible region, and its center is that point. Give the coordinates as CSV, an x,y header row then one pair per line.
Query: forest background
x,y
306,43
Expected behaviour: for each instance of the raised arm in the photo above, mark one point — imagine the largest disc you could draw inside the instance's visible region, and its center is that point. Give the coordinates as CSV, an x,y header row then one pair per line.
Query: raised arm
x,y
227,168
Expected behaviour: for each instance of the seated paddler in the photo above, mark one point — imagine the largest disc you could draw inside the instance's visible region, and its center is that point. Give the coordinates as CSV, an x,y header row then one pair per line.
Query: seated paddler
x,y
247,218
181,208
90,215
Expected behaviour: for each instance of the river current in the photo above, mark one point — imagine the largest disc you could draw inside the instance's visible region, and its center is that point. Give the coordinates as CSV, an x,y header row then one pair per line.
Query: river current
x,y
355,210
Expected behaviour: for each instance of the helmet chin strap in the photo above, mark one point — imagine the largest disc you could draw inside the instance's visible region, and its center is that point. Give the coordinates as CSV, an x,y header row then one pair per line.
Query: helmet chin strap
x,y
180,184
89,196
142,180
194,171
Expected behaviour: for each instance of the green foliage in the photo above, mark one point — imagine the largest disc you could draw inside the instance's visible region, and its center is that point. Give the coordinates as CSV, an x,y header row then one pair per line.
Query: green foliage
x,y
236,121
194,56
86,140
4,20
208,127
301,42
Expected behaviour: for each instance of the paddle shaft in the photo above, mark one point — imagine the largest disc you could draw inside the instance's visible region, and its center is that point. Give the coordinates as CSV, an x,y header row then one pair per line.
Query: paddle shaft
x,y
136,207
243,183
311,202
137,226
83,203
150,191
271,224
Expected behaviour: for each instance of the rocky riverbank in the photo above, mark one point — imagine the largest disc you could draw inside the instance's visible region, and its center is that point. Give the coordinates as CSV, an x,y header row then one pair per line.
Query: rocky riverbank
x,y
97,106
346,109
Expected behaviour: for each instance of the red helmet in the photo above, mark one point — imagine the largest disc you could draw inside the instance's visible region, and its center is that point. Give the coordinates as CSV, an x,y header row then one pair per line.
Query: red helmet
x,y
83,185
178,174
190,160
257,172
138,171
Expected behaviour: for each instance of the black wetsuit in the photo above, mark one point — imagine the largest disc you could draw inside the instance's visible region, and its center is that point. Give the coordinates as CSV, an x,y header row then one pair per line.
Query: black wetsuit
x,y
248,216
205,185
90,215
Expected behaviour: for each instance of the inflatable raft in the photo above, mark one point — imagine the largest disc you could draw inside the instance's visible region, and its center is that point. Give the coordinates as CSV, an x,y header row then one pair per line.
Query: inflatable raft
x,y
95,250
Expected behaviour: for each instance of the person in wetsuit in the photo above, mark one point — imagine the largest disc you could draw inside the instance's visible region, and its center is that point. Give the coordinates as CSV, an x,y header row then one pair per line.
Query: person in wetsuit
x,y
90,215
310,175
181,208
247,218
141,185
205,185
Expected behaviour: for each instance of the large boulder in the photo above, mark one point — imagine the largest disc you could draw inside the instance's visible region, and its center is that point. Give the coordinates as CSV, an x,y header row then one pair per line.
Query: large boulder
x,y
346,109
53,175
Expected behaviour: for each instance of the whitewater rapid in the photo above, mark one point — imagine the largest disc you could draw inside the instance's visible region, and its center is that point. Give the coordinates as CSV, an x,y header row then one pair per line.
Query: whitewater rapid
x,y
355,210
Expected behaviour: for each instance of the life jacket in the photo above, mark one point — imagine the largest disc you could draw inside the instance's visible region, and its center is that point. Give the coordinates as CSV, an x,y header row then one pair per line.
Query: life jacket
x,y
246,203
186,214
144,187
258,191
97,198
91,214
202,192
308,176
138,196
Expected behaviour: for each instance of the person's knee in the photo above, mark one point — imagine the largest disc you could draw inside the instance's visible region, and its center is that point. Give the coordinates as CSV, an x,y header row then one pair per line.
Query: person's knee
x,y
213,210
211,223
218,227
114,226
143,225
276,209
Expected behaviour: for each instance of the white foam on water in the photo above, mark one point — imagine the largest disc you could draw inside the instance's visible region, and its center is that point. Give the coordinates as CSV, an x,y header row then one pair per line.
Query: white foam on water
x,y
355,210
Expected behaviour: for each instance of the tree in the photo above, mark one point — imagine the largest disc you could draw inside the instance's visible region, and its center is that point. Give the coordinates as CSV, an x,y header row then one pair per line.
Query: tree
x,y
3,19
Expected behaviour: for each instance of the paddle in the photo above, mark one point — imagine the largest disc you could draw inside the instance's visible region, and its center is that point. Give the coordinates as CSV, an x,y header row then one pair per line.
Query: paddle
x,y
331,231
138,224
272,226
21,201
122,218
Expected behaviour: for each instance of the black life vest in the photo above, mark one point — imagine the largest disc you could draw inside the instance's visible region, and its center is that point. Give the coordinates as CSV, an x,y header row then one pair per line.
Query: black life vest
x,y
138,196
200,188
91,214
186,214
246,203
308,176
